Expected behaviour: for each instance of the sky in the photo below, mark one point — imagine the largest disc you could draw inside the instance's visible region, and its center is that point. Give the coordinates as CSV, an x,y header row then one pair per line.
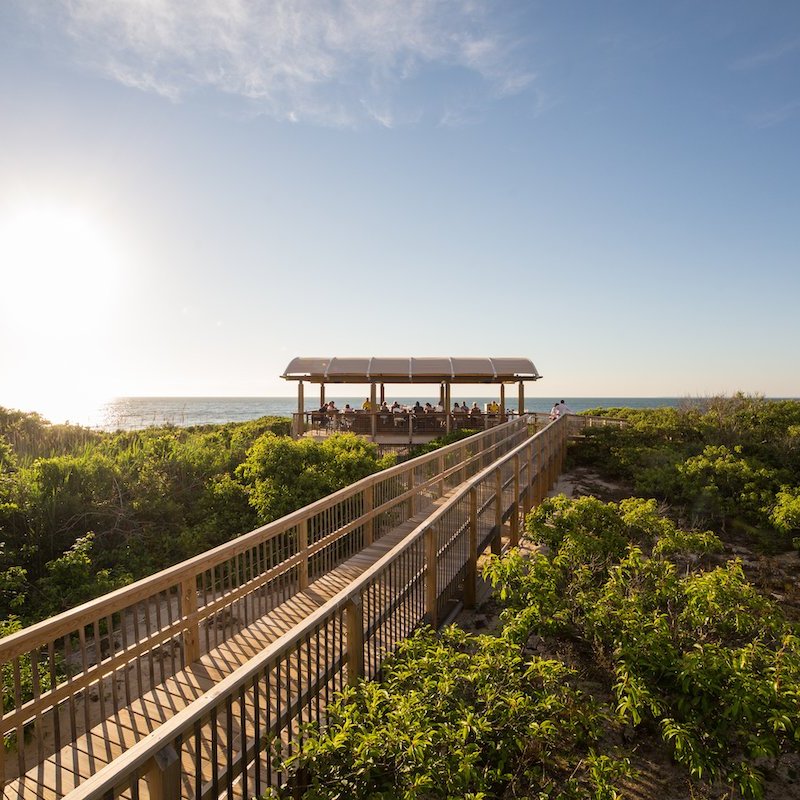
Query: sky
x,y
192,192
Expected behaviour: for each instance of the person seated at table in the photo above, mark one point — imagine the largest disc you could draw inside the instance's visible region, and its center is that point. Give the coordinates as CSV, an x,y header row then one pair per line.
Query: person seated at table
x,y
347,408
464,408
395,406
332,407
438,408
366,405
456,408
418,409
475,409
384,407
428,408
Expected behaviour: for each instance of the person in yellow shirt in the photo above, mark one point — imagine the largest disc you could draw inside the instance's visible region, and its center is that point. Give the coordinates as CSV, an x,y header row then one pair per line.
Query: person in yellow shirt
x,y
367,406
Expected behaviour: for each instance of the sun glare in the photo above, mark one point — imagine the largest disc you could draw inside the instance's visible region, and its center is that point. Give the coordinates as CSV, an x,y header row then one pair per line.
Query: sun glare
x,y
60,272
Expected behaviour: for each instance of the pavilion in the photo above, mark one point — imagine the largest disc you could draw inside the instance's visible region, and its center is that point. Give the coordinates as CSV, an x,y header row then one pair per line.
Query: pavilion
x,y
378,372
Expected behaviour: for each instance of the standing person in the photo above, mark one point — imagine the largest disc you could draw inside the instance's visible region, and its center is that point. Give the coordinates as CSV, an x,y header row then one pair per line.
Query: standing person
x,y
366,405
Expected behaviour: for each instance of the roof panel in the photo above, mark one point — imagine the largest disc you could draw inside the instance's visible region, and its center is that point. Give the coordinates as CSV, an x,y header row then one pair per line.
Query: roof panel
x,y
411,370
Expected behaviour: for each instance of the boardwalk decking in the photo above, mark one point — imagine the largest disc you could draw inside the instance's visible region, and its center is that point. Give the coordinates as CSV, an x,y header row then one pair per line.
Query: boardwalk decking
x,y
185,684
63,771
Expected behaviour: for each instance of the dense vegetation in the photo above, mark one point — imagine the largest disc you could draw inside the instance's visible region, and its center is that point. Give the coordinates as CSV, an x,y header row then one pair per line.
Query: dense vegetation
x,y
669,638
732,464
678,643
83,512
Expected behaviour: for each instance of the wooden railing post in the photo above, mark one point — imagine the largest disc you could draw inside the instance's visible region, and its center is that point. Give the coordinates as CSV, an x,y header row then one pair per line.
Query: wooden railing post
x,y
440,467
369,504
412,505
498,511
516,507
354,612
471,577
191,633
432,566
302,548
164,774
529,479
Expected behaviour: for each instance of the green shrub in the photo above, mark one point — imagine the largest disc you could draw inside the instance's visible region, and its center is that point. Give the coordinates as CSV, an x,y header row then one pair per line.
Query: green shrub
x,y
460,716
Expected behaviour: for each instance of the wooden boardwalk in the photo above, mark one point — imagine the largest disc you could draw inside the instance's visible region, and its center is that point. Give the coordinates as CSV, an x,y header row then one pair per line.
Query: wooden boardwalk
x,y
187,683
60,773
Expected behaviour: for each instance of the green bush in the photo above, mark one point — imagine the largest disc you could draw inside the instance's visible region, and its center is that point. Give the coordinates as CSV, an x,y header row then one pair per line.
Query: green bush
x,y
701,655
460,716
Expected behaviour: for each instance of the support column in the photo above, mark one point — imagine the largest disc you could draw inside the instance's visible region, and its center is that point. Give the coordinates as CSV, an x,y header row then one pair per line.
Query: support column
x,y
354,615
515,512
447,410
497,545
471,577
502,402
321,395
163,774
431,588
383,394
373,409
521,398
301,408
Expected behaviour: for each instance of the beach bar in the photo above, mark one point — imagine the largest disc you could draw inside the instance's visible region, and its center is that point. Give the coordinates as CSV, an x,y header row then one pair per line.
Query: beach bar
x,y
388,426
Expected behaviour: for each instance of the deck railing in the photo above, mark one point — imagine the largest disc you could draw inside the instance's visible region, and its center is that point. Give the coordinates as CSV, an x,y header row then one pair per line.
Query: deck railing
x,y
67,673
223,744
404,424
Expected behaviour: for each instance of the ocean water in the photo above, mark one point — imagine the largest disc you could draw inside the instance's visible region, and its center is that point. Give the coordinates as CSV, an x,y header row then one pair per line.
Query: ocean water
x,y
132,413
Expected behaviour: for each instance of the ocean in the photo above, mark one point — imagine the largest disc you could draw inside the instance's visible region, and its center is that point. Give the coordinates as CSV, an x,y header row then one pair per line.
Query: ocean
x,y
132,413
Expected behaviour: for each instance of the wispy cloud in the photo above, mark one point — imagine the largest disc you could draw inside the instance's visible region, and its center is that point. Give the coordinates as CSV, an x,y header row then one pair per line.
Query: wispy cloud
x,y
775,116
334,62
768,55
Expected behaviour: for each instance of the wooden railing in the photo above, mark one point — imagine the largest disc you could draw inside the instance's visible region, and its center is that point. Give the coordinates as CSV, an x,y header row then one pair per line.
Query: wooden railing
x,y
69,672
395,424
223,744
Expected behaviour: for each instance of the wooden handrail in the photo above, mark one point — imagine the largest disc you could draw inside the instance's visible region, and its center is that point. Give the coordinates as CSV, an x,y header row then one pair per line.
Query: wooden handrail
x,y
170,605
23,641
117,775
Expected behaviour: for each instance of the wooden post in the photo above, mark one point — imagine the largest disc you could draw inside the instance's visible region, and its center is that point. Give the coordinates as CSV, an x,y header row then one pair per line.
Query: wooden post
x,y
164,774
191,633
431,599
471,576
515,512
447,410
502,402
321,395
498,511
373,409
302,547
440,468
354,612
301,408
383,394
369,504
521,399
528,503
412,505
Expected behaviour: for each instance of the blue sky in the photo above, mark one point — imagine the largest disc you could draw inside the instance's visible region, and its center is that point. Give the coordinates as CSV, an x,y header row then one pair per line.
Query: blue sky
x,y
192,193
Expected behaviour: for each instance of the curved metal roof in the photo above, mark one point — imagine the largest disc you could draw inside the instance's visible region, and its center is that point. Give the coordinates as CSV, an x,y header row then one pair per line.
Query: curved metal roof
x,y
411,370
